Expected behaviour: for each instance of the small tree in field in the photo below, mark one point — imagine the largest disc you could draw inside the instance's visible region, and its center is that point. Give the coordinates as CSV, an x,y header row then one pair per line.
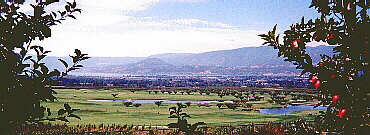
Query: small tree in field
x,y
25,80
182,122
342,79
158,103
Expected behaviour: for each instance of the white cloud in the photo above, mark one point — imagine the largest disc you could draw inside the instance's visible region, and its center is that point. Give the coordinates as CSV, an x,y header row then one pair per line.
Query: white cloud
x,y
315,43
104,29
196,23
185,0
122,5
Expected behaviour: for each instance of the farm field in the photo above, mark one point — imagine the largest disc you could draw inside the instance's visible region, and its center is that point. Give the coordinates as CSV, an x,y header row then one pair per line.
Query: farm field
x,y
150,114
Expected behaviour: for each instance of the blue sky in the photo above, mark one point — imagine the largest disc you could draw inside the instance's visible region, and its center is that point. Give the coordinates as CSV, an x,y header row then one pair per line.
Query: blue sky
x,y
244,14
139,28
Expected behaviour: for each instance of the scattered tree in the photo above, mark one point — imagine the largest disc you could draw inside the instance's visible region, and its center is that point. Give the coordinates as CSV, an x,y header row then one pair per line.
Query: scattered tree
x,y
137,105
188,104
115,95
158,103
219,105
127,104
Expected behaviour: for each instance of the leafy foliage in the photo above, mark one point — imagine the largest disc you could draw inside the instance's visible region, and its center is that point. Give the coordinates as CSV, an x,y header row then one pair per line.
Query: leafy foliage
x,y
25,80
182,122
344,24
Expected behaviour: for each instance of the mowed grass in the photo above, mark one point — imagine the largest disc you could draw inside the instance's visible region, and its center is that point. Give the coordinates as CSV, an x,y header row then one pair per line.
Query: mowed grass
x,y
151,114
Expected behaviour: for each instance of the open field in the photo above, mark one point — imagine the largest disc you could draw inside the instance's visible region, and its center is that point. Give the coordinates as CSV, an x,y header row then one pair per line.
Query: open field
x,y
151,114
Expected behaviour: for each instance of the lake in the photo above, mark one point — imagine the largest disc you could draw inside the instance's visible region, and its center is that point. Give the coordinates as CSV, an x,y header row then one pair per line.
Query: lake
x,y
163,101
290,109
282,111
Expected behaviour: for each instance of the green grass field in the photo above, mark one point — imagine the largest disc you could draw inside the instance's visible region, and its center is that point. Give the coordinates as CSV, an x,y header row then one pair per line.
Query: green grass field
x,y
150,114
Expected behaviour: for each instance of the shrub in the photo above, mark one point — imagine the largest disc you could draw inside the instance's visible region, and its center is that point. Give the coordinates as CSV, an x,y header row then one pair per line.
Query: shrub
x,y
127,104
137,105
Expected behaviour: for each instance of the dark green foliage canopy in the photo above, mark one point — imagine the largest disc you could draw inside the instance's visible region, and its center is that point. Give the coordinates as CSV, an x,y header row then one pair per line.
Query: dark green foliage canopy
x,y
25,80
345,25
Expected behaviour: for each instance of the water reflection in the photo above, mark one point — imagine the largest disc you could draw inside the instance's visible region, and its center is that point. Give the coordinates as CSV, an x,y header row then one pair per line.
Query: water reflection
x,y
290,109
163,101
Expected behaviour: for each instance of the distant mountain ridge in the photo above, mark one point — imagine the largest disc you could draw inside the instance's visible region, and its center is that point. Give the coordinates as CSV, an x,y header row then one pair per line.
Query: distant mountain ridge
x,y
235,61
246,56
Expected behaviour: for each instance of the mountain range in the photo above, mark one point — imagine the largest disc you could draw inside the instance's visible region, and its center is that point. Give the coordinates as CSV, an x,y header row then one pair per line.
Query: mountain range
x,y
241,61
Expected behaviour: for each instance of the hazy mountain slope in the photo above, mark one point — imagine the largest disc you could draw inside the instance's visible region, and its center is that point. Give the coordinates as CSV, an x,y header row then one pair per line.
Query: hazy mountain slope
x,y
237,61
94,62
147,66
247,56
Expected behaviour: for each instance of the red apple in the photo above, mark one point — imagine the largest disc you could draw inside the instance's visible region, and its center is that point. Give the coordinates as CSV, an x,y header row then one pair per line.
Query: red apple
x,y
317,84
295,43
342,112
335,98
332,76
315,38
330,36
314,79
321,64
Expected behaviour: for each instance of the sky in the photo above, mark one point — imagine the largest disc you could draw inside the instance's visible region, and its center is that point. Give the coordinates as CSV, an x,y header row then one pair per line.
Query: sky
x,y
140,28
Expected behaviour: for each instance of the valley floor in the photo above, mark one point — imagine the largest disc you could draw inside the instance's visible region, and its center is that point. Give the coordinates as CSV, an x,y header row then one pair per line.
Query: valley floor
x,y
151,114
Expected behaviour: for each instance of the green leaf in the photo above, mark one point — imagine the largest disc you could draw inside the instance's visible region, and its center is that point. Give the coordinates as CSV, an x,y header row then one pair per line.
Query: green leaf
x,y
172,108
73,110
63,13
274,29
64,63
27,58
78,66
67,107
68,8
72,16
61,111
74,4
38,73
71,69
63,119
78,10
69,3
172,125
47,52
54,73
40,57
195,126
173,116
74,116
85,58
44,69
77,52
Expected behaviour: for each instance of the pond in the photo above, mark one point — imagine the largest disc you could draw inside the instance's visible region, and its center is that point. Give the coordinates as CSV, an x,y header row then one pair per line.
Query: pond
x,y
290,109
149,101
